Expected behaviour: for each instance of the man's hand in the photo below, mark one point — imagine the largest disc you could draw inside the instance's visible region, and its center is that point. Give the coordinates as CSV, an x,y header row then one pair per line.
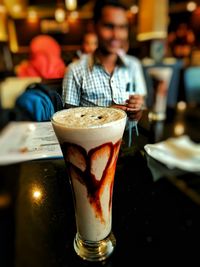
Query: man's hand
x,y
133,104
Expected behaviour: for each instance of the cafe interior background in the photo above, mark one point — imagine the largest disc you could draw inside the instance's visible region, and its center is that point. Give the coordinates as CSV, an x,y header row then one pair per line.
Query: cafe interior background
x,y
153,25
157,214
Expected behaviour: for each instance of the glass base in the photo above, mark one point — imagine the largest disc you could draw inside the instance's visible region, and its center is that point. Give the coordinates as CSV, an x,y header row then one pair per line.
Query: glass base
x,y
157,116
94,251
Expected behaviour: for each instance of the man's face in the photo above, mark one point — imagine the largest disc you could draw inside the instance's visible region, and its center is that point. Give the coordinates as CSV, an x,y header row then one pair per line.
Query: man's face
x,y
112,29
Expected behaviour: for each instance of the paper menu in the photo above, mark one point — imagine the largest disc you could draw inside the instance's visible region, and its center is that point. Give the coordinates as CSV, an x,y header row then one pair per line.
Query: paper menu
x,y
23,141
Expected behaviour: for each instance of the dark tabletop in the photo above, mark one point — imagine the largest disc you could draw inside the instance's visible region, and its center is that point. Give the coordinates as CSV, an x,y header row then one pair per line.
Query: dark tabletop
x,y
148,212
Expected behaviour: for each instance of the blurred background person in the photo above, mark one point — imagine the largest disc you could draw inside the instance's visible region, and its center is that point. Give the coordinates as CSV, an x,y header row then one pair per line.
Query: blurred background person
x,y
88,45
181,41
44,61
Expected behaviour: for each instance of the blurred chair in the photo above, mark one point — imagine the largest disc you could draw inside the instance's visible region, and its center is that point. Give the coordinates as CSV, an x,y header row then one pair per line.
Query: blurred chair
x,y
173,71
192,85
6,61
12,87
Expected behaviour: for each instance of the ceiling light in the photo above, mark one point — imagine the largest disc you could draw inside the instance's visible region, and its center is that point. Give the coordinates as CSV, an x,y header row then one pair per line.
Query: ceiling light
x,y
71,4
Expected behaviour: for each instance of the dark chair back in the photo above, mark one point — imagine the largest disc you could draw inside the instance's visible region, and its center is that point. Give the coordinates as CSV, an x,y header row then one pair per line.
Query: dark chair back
x,y
54,84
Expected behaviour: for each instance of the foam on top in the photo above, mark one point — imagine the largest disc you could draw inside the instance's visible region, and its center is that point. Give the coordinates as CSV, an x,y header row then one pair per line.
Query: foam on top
x,y
88,117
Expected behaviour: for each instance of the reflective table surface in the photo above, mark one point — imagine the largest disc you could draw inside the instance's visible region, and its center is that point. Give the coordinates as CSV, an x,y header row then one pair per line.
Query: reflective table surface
x,y
37,224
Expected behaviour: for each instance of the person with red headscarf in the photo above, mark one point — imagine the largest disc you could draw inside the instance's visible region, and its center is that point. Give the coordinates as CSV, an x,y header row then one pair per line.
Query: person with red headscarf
x,y
44,61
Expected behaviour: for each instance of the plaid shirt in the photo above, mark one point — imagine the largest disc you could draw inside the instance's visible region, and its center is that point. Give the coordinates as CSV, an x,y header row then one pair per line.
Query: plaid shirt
x,y
86,83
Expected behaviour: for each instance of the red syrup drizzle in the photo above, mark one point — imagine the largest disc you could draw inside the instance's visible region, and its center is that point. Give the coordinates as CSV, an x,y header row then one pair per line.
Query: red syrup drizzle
x,y
94,186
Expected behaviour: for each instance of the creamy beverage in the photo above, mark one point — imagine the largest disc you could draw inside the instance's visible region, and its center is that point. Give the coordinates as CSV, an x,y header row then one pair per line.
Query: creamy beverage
x,y
90,139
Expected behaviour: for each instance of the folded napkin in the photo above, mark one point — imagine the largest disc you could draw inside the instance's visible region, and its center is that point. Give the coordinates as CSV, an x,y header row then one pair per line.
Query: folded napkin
x,y
179,152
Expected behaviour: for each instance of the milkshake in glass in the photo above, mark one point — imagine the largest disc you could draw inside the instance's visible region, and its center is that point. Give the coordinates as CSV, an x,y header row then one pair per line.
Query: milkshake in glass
x,y
90,139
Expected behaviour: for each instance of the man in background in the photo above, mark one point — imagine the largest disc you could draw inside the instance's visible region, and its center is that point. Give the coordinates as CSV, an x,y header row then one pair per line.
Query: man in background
x,y
107,77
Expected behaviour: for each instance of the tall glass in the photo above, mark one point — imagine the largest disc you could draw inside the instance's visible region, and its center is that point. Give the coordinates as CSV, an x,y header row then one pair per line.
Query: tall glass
x,y
90,139
160,81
